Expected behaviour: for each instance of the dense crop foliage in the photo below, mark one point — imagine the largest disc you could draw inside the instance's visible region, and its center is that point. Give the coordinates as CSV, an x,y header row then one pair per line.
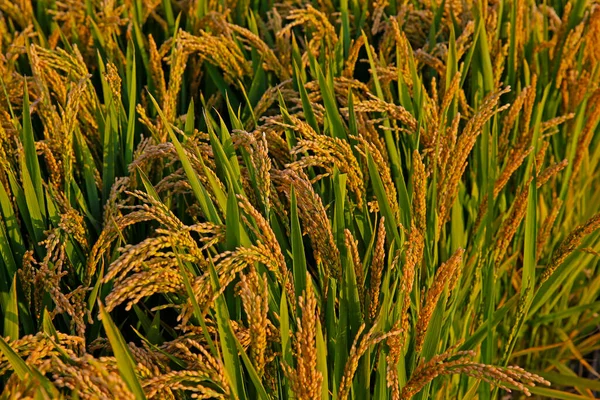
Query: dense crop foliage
x,y
331,199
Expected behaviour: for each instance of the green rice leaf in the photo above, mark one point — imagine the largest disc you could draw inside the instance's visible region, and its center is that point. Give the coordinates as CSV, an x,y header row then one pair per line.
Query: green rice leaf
x,y
338,130
229,348
298,255
30,154
125,361
11,313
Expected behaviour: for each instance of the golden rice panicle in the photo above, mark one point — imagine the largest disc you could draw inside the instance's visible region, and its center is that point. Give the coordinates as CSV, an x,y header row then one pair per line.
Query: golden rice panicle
x,y
328,153
388,49
575,88
179,59
219,50
420,193
156,70
350,63
541,155
352,247
39,347
306,379
193,381
552,123
586,136
445,275
69,123
447,142
431,136
514,160
90,377
255,296
114,82
173,230
265,102
413,260
152,266
501,377
395,345
228,265
7,153
204,375
377,16
460,362
547,225
393,111
545,175
271,61
592,44
283,45
521,33
569,244
55,70
511,117
365,147
359,347
46,278
278,147
448,185
258,148
140,285
342,87
323,32
20,11
569,52
71,16
430,60
313,216
145,121
55,172
148,362
452,91
404,49
427,371
377,264
44,78
268,241
526,133
510,225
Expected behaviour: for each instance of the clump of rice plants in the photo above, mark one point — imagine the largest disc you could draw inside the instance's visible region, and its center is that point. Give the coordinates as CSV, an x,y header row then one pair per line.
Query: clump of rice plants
x,y
299,200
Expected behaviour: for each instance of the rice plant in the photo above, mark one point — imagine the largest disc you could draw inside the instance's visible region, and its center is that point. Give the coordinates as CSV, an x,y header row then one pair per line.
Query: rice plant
x,y
332,199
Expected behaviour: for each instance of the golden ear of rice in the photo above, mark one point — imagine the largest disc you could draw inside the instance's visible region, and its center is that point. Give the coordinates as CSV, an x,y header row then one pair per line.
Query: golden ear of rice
x,y
445,275
306,379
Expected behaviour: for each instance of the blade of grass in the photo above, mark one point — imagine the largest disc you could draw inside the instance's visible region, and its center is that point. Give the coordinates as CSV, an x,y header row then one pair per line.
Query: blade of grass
x,y
30,154
131,120
332,115
298,255
197,187
125,362
11,313
229,349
